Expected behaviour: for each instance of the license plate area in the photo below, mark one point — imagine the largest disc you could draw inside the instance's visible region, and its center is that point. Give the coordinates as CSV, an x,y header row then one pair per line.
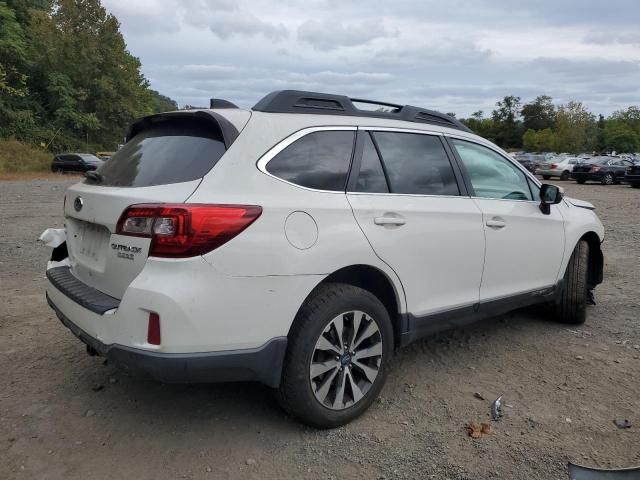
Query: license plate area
x,y
87,243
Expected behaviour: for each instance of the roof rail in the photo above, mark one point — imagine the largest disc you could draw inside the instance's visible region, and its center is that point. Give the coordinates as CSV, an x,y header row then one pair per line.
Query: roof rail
x,y
296,101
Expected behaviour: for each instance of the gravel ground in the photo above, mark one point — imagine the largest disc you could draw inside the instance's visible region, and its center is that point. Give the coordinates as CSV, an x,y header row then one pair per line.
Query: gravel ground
x,y
65,415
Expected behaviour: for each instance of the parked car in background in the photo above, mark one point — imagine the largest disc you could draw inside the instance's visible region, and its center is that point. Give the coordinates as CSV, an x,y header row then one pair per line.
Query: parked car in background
x,y
104,156
75,162
560,167
606,170
632,174
530,161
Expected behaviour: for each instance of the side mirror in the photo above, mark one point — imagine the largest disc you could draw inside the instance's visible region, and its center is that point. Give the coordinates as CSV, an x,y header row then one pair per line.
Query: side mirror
x,y
549,195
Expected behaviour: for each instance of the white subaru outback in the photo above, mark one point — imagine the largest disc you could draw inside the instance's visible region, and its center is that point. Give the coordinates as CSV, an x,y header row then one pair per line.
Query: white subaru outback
x,y
300,243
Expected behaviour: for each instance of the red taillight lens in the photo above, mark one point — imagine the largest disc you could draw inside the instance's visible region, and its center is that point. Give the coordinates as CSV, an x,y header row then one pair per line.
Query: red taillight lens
x,y
595,169
186,230
153,329
554,166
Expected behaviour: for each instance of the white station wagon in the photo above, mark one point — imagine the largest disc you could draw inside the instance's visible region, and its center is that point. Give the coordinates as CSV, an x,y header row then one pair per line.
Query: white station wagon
x,y
300,243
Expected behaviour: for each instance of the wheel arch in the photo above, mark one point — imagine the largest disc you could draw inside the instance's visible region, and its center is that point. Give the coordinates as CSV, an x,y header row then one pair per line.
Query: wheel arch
x,y
596,259
379,283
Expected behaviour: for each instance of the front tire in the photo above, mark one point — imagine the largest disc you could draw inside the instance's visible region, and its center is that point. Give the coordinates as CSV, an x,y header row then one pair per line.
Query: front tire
x,y
581,182
572,307
635,185
340,346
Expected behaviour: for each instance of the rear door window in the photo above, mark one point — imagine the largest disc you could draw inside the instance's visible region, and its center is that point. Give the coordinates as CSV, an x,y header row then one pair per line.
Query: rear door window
x,y
416,164
319,160
174,150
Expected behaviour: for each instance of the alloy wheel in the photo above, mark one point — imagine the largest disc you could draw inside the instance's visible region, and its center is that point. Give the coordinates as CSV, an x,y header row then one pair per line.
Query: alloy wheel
x,y
346,360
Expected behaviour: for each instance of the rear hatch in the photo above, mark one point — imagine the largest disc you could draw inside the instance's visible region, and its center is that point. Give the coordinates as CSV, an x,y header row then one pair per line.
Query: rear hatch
x,y
163,161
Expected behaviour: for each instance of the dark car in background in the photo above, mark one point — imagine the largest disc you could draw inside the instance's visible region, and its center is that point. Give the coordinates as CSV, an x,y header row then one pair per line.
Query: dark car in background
x,y
632,175
530,161
605,170
75,162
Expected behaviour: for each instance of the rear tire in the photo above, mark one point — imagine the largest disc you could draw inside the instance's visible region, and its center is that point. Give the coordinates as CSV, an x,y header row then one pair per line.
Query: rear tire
x,y
581,182
565,176
546,177
358,378
572,307
608,179
635,185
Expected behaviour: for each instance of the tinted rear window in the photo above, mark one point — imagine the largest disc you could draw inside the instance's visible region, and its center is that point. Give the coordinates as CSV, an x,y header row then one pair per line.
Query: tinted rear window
x,y
172,151
319,160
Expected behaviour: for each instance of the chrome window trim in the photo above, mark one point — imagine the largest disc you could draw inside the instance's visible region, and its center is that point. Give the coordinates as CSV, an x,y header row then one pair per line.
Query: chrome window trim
x,y
401,130
408,194
280,146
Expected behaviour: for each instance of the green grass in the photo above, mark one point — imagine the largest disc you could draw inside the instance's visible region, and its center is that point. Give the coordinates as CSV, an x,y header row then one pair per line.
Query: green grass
x,y
18,157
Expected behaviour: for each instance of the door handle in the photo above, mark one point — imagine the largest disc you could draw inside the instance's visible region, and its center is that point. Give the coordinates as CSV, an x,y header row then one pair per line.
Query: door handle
x,y
389,221
496,223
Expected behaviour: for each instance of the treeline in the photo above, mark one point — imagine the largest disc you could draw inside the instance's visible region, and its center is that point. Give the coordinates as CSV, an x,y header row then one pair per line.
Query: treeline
x,y
67,81
540,126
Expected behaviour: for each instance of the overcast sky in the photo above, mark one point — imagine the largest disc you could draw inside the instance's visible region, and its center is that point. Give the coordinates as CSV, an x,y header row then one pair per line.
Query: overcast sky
x,y
455,55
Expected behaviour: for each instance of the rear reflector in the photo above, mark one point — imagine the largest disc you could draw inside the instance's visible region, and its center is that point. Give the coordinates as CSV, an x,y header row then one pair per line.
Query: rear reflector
x,y
186,230
153,329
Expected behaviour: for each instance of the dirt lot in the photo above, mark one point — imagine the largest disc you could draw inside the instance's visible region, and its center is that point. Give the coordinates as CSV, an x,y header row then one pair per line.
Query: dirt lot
x,y
65,415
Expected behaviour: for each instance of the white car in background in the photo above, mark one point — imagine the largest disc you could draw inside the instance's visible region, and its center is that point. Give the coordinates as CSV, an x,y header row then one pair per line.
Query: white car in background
x,y
300,243
560,167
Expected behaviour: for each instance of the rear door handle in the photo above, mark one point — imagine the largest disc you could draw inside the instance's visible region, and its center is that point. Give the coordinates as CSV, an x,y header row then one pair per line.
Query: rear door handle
x,y
389,221
496,223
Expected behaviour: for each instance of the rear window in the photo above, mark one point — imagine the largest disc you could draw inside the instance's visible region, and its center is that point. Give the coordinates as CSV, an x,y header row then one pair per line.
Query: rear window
x,y
172,151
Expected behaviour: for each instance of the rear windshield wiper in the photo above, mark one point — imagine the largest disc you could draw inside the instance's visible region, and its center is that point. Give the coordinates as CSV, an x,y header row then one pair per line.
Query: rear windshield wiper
x,y
94,176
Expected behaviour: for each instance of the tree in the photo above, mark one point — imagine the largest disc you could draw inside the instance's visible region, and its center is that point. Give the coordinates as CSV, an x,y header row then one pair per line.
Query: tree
x,y
539,114
12,54
601,134
575,128
13,77
71,58
539,140
508,129
622,138
161,103
480,125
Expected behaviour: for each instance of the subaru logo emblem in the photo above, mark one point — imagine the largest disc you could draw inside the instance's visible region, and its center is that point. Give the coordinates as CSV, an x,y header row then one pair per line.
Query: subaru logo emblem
x,y
77,204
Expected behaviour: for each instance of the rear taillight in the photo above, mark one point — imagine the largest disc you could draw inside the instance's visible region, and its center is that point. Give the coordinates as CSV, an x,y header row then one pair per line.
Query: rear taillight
x,y
554,166
595,169
186,230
